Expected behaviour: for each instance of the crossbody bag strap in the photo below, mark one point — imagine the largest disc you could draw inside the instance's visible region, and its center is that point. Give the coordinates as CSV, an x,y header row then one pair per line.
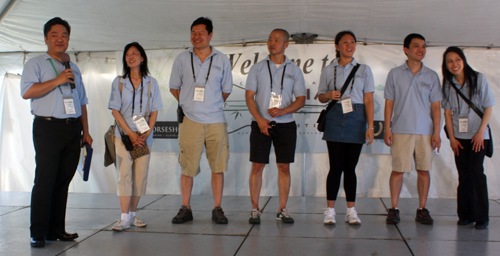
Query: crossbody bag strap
x,y
469,102
347,81
120,86
149,96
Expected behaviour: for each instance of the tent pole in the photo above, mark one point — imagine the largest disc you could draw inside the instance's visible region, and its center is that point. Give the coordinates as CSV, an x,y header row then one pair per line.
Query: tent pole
x,y
7,9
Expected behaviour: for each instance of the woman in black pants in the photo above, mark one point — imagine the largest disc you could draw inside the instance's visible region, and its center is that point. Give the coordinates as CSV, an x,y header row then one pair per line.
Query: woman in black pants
x,y
468,133
345,129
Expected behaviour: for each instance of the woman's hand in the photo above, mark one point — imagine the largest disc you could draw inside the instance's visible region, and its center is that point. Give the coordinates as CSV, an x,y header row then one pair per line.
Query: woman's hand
x,y
369,136
478,141
455,145
136,139
334,95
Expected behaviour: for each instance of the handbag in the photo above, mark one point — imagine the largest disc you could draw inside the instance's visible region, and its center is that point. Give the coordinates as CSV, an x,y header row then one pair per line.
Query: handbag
x,y
489,148
109,143
322,116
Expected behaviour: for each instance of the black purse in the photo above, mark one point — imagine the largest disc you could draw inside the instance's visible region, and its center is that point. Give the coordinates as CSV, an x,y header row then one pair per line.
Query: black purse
x,y
489,148
322,116
127,142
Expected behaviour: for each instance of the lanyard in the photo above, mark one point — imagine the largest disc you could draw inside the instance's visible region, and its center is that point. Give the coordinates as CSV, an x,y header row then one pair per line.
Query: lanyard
x,y
209,68
335,80
271,76
133,97
57,74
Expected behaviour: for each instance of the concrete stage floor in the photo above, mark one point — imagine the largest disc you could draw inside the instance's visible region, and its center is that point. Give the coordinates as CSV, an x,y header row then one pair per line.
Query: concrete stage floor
x,y
93,215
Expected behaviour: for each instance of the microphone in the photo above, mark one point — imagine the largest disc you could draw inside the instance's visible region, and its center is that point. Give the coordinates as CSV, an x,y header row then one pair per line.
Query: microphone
x,y
65,61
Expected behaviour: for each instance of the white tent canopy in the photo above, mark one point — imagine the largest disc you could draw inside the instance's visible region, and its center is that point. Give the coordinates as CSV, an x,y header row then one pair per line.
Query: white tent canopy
x,y
99,25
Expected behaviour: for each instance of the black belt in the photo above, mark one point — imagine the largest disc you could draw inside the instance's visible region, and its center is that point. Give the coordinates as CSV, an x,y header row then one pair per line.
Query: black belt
x,y
58,120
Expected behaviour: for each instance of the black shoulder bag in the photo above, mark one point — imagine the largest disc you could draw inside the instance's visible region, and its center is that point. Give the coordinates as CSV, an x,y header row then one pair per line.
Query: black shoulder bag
x,y
489,149
322,116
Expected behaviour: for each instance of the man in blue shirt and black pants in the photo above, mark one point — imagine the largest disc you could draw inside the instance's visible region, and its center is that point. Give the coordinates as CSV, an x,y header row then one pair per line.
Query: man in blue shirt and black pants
x,y
58,102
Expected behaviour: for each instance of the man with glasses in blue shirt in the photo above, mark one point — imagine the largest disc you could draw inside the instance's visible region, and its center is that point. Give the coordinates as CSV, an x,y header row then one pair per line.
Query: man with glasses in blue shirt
x,y
201,80
412,102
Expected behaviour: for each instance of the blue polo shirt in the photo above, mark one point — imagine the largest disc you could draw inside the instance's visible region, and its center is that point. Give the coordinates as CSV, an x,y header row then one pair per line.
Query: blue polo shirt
x,y
362,81
412,96
459,108
259,81
123,102
40,70
219,81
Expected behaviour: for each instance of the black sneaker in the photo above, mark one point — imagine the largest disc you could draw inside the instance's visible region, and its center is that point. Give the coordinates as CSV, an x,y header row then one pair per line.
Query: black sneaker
x,y
424,217
185,214
464,222
392,216
481,225
218,216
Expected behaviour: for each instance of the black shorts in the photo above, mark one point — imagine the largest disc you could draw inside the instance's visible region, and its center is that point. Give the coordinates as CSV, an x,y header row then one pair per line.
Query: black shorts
x,y
284,141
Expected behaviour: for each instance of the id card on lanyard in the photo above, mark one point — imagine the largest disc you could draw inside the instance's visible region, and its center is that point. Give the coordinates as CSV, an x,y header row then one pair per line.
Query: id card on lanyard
x,y
68,101
199,89
276,99
140,122
346,105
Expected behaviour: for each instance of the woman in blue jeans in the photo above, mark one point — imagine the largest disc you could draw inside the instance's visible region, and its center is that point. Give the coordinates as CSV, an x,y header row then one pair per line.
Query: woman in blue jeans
x,y
345,129
468,134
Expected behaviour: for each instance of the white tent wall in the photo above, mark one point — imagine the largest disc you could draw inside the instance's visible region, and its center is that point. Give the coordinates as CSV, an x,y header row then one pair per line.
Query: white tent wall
x,y
308,172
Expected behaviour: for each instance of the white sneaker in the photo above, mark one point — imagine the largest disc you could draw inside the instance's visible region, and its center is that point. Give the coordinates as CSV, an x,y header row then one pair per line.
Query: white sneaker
x,y
121,225
329,216
351,217
137,222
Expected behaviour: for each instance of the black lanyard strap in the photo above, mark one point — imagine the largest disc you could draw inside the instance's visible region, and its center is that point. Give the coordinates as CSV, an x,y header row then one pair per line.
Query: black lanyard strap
x,y
271,76
209,68
133,96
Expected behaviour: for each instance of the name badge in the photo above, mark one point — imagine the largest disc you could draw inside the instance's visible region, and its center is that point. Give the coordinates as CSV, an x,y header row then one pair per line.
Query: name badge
x,y
275,101
141,124
346,105
69,105
199,93
463,124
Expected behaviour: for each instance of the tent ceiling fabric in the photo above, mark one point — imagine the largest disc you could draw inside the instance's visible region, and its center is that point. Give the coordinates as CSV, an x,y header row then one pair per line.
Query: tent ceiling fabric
x,y
107,25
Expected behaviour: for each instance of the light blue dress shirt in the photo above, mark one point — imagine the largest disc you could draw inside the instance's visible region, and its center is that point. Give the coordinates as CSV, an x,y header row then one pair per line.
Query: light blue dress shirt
x,y
482,99
40,70
259,81
219,81
123,102
412,96
362,81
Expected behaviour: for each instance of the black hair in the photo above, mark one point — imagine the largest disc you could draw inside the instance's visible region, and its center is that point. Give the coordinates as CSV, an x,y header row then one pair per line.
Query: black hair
x,y
55,21
144,65
470,75
205,21
286,35
339,36
408,38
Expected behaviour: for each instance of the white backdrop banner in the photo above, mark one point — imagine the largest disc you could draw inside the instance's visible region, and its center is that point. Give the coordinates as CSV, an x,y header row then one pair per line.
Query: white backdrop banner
x,y
311,165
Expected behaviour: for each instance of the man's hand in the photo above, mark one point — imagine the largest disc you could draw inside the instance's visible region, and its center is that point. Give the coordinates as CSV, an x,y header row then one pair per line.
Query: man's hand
x,y
274,112
66,76
388,137
264,126
436,141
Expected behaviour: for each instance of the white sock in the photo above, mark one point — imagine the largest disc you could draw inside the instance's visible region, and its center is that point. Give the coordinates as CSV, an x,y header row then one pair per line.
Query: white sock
x,y
125,216
350,209
131,215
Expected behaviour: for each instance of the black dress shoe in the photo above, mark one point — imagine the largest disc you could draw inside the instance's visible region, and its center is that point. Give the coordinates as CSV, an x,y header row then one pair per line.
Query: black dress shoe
x,y
463,222
481,225
62,236
37,242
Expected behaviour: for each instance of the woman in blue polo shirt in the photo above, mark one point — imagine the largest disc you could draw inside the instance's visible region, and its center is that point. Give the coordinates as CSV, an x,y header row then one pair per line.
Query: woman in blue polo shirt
x,y
468,133
135,101
345,129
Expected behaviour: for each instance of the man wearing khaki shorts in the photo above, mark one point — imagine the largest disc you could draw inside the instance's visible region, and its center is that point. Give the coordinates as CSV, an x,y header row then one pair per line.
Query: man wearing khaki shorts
x,y
201,81
413,94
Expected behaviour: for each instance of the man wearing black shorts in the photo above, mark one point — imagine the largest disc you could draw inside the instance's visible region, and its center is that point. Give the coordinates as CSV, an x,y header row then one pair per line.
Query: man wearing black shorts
x,y
270,89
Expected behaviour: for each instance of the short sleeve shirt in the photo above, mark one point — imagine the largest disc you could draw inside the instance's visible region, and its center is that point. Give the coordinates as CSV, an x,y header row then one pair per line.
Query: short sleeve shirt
x,y
124,101
459,108
412,96
361,83
220,80
259,81
39,70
